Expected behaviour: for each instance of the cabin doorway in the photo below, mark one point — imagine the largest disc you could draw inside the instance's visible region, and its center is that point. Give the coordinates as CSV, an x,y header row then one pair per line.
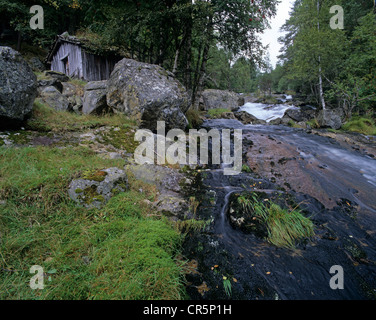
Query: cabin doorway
x,y
66,65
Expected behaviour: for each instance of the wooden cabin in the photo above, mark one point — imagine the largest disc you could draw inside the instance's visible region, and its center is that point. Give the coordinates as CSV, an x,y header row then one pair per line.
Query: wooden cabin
x,y
77,59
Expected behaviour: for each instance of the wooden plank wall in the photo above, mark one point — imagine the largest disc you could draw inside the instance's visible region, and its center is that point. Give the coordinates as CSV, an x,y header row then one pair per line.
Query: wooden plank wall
x,y
83,65
74,53
96,67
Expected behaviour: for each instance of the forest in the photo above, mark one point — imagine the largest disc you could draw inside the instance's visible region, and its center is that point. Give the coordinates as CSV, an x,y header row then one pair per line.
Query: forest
x,y
216,44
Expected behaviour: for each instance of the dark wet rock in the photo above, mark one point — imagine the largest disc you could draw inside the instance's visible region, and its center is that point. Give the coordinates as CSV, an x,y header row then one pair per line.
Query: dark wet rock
x,y
97,187
18,86
56,75
301,115
247,118
149,93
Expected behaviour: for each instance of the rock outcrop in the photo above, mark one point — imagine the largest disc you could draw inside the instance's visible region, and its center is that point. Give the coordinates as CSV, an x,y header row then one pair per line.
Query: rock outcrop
x,y
149,93
18,85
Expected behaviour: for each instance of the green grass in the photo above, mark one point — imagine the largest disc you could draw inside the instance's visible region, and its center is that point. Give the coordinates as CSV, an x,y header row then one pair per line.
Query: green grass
x,y
365,126
119,252
284,227
217,113
46,119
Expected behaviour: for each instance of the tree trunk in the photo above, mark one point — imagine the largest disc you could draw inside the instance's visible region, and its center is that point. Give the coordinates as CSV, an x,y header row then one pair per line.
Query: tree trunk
x,y
199,81
19,41
322,99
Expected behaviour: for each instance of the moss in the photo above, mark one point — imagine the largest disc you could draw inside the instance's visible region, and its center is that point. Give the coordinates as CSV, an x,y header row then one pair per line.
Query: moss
x,y
94,175
121,139
78,191
90,194
20,137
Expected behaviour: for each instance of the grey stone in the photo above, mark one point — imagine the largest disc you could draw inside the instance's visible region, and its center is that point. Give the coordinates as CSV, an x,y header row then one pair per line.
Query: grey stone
x,y
55,99
94,101
149,93
221,99
94,194
18,85
329,119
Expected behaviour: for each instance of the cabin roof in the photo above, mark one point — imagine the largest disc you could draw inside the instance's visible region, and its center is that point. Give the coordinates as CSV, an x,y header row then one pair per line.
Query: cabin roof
x,y
86,44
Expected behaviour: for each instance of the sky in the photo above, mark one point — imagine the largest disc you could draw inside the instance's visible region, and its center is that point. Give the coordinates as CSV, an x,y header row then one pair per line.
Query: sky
x,y
270,36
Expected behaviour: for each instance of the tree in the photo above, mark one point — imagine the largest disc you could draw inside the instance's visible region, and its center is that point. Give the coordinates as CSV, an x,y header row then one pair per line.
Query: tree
x,y
312,48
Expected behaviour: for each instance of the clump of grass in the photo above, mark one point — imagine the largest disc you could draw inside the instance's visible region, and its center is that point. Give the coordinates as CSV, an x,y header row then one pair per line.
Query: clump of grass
x,y
46,119
284,227
194,118
365,126
217,113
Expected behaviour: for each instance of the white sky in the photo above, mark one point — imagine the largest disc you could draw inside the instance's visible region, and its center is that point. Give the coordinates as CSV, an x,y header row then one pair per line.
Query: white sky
x,y
271,36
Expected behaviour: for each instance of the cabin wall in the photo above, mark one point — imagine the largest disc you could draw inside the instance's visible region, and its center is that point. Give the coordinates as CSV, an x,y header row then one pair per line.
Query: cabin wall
x,y
96,67
72,60
73,54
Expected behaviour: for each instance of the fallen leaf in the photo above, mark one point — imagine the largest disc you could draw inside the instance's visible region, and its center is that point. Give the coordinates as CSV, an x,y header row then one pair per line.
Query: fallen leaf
x,y
203,288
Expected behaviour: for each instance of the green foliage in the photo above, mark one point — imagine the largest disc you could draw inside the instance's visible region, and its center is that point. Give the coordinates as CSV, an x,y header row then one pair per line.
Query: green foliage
x,y
227,286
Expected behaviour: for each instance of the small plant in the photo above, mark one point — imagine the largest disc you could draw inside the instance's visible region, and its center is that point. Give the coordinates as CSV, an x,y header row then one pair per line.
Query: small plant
x,y
227,286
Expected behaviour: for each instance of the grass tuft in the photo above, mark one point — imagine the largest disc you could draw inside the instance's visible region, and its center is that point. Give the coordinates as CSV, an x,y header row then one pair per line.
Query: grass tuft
x,y
365,126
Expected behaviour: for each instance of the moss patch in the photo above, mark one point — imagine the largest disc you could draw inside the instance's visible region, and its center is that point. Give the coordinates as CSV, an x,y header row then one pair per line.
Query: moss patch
x,y
94,175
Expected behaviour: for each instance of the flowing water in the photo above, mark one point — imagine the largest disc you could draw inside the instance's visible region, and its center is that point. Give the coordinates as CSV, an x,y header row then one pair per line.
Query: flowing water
x,y
336,185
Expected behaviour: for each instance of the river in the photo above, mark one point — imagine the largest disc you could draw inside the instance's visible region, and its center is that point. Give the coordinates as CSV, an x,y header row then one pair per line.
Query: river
x,y
335,185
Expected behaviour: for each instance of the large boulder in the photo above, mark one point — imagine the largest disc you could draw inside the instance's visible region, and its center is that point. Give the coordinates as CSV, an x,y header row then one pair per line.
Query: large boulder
x,y
18,85
95,101
303,114
149,93
221,99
